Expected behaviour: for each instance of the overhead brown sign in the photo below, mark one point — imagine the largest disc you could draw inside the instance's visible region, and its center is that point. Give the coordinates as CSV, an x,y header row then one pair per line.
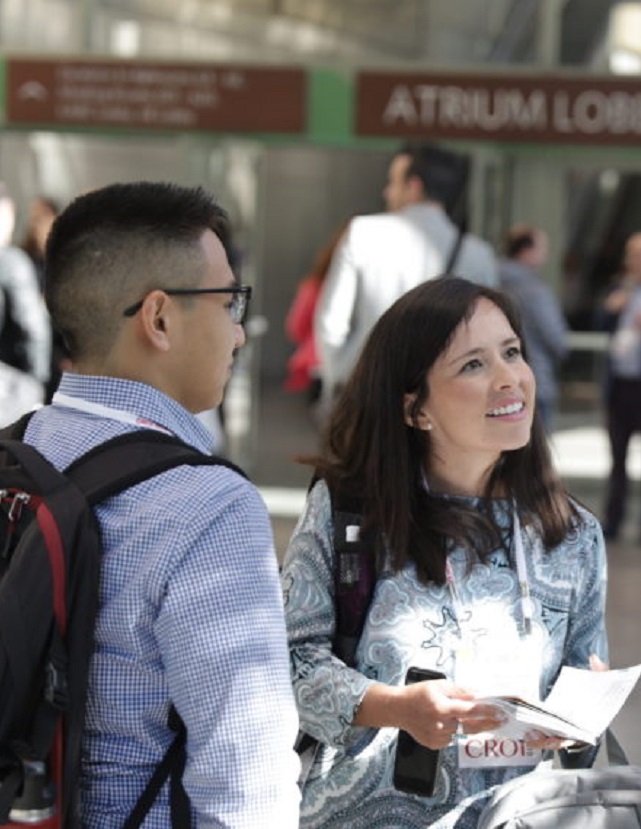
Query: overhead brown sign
x,y
156,96
499,107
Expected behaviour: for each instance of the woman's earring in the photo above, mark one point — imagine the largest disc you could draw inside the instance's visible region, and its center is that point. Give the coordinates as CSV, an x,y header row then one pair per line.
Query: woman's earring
x,y
428,426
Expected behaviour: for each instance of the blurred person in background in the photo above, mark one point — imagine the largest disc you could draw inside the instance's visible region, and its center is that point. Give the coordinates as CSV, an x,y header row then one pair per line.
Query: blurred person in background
x,y
25,331
42,213
303,367
544,326
620,314
386,254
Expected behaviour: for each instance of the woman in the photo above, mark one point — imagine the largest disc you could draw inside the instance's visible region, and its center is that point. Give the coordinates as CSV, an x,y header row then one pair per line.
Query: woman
x,y
303,365
491,574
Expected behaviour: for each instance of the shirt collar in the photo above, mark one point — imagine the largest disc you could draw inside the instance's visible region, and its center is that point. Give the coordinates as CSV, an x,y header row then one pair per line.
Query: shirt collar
x,y
141,400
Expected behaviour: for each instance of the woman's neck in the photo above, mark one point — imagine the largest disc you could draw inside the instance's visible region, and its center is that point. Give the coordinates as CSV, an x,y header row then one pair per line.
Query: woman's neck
x,y
462,479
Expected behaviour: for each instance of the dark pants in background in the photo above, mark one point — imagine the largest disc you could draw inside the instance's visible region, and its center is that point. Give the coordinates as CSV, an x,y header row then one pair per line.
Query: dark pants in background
x,y
624,419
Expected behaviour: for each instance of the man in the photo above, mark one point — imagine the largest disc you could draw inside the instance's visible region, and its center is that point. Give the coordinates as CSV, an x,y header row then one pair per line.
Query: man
x,y
384,255
25,337
622,316
138,282
544,326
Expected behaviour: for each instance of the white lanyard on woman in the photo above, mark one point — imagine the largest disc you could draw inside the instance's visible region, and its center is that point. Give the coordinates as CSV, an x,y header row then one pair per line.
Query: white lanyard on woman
x,y
504,667
527,607
121,415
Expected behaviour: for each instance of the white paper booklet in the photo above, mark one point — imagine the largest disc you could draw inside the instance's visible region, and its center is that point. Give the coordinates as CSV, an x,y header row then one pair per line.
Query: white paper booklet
x,y
580,706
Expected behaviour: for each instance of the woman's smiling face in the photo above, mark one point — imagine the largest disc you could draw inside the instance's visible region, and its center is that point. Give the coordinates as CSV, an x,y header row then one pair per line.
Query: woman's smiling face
x,y
481,392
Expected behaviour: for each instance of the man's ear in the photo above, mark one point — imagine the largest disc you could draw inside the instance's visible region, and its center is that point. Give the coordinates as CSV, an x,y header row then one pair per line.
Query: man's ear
x,y
421,419
156,316
415,189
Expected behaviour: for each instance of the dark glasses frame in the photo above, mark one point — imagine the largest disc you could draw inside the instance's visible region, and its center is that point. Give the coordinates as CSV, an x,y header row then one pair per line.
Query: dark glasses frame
x,y
238,310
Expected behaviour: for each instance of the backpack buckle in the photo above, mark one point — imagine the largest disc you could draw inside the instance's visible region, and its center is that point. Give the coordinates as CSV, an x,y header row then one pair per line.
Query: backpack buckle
x,y
20,499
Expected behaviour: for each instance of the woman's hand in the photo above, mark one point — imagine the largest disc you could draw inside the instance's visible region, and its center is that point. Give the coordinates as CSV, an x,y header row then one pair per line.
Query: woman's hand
x,y
597,664
430,711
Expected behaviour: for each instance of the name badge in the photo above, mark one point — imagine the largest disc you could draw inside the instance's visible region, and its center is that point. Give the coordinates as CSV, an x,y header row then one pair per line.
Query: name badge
x,y
489,751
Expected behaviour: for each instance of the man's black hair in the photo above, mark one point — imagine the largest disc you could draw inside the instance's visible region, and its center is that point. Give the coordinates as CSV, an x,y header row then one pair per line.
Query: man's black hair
x,y
146,207
110,246
443,173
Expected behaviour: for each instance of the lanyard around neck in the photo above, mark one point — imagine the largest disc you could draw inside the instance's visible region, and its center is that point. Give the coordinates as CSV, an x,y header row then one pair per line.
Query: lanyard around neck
x,y
527,605
121,415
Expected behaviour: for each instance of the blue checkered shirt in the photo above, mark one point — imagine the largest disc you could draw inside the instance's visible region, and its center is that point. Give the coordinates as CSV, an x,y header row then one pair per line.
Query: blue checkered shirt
x,y
191,614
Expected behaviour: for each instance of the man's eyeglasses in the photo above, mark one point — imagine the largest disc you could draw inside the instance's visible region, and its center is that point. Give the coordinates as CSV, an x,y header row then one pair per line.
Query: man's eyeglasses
x,y
241,294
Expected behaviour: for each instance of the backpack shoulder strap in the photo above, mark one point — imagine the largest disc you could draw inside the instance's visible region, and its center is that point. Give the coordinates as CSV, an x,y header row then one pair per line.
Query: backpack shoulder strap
x,y
131,458
16,430
113,466
355,572
451,259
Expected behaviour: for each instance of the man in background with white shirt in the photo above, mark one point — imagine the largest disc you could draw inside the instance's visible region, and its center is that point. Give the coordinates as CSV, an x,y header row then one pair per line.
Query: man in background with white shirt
x,y
386,254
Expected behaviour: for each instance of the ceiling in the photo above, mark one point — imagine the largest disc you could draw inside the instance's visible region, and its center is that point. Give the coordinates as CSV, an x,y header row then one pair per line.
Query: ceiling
x,y
375,31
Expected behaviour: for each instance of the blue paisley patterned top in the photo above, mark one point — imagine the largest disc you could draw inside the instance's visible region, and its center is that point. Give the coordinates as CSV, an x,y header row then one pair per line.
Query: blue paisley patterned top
x,y
409,623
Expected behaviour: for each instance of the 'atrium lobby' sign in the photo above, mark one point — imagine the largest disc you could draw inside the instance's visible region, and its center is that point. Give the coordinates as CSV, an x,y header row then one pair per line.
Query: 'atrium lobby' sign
x,y
506,107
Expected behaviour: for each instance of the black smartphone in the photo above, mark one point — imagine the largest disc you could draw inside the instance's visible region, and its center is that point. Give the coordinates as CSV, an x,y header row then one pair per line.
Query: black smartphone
x,y
415,765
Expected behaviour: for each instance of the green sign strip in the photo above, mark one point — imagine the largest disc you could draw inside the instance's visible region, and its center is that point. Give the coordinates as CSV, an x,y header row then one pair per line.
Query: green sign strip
x,y
331,110
330,105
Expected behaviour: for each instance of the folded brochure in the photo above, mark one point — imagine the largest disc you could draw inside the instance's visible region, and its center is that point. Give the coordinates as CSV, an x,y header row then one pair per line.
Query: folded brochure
x,y
580,706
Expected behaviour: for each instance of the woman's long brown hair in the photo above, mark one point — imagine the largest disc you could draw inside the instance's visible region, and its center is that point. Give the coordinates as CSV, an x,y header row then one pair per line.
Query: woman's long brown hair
x,y
370,452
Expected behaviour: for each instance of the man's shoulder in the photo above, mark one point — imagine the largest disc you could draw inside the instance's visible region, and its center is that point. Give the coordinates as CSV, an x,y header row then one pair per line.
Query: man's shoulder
x,y
374,222
377,232
523,282
512,274
476,244
477,261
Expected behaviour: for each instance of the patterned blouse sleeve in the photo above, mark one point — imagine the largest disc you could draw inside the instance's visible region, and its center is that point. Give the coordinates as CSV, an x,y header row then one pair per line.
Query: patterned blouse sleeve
x,y
587,632
327,692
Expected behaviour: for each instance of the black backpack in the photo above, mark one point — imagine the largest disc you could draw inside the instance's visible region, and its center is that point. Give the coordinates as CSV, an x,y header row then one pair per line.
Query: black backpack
x,y
50,551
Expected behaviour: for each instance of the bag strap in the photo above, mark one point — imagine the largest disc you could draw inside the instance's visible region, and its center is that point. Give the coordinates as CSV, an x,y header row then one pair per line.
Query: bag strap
x,y
355,571
355,577
112,466
615,751
16,430
451,260
131,458
171,766
35,464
